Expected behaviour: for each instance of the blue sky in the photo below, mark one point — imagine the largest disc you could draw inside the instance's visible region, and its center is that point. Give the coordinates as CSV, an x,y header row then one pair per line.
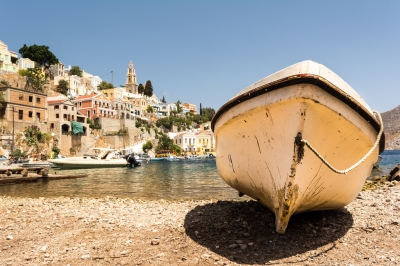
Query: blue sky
x,y
206,51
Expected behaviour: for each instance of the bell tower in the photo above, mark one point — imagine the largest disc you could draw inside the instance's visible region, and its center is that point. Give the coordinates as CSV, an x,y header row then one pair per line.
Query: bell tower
x,y
131,83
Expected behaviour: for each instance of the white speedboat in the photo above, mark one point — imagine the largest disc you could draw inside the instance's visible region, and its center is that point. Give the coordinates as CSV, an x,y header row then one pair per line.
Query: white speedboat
x,y
171,157
106,158
298,140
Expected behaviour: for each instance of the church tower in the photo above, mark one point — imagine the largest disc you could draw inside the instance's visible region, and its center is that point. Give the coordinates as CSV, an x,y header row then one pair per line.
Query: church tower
x,y
131,83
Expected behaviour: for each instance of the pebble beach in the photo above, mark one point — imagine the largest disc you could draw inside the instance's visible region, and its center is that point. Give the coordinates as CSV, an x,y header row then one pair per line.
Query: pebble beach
x,y
117,231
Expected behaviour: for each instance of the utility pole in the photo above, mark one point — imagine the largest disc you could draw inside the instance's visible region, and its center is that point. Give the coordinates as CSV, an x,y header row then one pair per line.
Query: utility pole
x,y
12,144
112,77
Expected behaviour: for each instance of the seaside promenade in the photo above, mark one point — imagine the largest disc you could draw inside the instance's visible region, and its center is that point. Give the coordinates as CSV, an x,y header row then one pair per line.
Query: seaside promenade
x,y
117,231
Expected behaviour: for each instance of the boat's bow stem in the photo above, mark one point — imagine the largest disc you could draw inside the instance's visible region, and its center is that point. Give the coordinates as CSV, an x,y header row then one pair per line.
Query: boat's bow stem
x,y
291,189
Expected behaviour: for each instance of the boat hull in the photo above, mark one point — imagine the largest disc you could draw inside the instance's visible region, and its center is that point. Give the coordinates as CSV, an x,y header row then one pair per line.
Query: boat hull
x,y
87,164
257,155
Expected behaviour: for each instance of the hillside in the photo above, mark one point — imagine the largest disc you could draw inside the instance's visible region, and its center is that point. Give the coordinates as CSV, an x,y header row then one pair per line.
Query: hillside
x,y
391,122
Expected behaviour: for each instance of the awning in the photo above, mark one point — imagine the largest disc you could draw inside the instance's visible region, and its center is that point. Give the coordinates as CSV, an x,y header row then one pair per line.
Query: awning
x,y
77,127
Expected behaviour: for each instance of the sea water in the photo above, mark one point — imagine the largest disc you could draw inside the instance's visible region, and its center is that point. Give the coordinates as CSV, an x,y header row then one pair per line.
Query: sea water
x,y
197,179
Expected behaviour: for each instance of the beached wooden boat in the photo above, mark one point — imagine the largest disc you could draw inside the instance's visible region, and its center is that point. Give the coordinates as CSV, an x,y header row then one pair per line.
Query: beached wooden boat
x,y
298,140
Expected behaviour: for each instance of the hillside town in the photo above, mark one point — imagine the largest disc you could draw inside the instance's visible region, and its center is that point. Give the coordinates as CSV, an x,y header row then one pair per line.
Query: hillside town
x,y
40,120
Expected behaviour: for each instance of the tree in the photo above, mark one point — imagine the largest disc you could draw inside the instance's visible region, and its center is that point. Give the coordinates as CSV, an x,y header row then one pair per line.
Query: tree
x,y
35,78
149,109
75,70
147,146
1,99
4,83
164,143
40,54
148,89
104,85
178,107
63,87
201,110
140,88
208,112
163,99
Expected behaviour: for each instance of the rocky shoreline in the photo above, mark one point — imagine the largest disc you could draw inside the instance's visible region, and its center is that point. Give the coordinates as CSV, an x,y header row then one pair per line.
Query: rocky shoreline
x,y
115,231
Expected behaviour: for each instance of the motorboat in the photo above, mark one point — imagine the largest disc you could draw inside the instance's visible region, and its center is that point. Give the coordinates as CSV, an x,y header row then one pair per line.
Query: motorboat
x,y
103,158
298,140
171,157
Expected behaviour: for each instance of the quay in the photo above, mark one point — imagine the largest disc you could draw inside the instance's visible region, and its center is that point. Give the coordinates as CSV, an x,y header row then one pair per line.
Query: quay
x,y
30,174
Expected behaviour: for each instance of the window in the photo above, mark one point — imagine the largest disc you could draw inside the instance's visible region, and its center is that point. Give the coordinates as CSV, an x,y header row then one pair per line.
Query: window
x,y
72,108
52,126
38,116
30,114
38,100
65,116
56,107
30,99
20,114
65,107
57,116
21,97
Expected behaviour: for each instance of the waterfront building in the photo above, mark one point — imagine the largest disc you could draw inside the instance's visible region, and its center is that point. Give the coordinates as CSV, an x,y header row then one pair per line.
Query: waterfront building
x,y
94,105
62,115
187,141
205,142
24,107
8,59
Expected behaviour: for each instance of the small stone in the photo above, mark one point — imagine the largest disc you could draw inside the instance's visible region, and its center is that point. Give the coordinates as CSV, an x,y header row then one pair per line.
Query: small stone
x,y
155,241
250,244
10,237
239,241
243,246
85,257
233,246
43,249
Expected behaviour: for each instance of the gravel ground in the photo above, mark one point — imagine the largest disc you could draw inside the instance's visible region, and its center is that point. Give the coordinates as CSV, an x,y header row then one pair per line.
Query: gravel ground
x,y
114,231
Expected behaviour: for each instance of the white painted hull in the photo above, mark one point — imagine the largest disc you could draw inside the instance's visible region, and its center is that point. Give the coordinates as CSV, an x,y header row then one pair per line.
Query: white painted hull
x,y
80,163
256,154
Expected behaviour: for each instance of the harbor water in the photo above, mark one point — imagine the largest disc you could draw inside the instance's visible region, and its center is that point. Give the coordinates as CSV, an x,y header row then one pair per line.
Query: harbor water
x,y
190,179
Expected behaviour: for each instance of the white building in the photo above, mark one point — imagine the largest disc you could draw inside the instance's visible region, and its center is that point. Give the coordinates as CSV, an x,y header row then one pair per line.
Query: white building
x,y
8,59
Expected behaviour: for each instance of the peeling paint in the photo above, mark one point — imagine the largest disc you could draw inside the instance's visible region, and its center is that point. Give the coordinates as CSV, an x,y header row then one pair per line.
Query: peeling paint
x,y
231,163
258,144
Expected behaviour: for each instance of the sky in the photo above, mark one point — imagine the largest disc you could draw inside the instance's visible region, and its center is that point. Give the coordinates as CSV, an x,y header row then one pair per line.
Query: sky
x,y
204,52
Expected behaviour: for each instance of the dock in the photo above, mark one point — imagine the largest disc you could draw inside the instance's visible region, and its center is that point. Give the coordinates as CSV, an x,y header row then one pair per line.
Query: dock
x,y
30,174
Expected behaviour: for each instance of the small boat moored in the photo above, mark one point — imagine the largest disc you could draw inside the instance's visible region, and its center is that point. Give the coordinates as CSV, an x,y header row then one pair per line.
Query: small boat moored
x,y
298,140
107,158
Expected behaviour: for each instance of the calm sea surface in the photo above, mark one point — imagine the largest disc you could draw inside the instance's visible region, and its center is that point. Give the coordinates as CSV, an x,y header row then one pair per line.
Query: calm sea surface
x,y
153,180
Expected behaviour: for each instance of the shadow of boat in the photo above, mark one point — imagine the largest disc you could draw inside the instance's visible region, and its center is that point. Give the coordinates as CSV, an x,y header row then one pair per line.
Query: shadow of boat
x,y
244,231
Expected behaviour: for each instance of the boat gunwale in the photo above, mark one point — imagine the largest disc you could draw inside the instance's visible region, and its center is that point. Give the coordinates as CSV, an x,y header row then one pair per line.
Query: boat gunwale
x,y
296,80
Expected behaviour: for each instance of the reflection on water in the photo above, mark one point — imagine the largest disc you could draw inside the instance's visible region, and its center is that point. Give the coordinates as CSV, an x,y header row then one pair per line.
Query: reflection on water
x,y
153,180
